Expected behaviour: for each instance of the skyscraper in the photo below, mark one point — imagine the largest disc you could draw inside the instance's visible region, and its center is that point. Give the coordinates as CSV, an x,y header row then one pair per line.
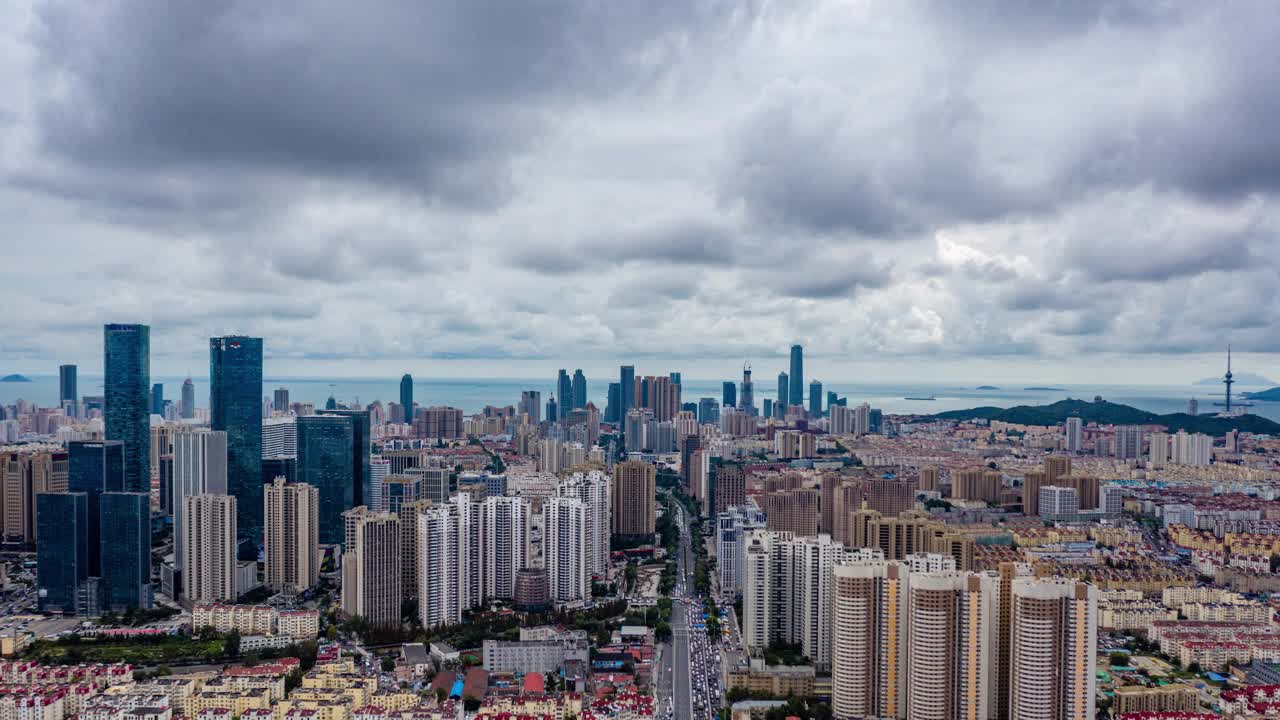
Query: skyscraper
x,y
951,645
126,399
93,468
67,386
406,398
613,403
815,399
796,394
280,400
746,394
869,640
504,532
579,399
564,549
627,388
292,536
708,410
62,555
157,399
361,451
1053,648
235,406
326,459
199,468
729,394
371,567
445,562
209,540
564,390
531,405
593,489
634,494
125,550
553,409
784,389
188,408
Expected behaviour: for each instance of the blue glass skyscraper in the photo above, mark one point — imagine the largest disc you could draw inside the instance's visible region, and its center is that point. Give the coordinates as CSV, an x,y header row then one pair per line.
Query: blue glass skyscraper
x,y
613,403
93,468
325,461
815,399
627,381
127,398
784,393
406,397
66,385
564,391
361,441
579,399
796,394
157,399
62,555
235,407
126,550
729,395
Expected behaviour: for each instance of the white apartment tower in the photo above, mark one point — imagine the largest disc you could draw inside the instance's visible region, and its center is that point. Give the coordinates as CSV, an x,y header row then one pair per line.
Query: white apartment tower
x,y
564,540
504,531
593,489
291,530
869,640
199,468
450,577
951,643
1074,434
209,542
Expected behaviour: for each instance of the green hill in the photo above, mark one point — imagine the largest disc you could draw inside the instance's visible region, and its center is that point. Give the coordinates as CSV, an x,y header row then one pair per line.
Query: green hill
x,y
1108,413
1272,394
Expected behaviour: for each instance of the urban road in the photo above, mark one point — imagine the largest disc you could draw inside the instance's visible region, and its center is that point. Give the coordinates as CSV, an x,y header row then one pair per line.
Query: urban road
x,y
688,688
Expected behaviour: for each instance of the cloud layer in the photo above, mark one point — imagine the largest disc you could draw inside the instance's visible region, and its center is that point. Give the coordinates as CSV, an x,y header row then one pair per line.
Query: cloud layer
x,y
591,181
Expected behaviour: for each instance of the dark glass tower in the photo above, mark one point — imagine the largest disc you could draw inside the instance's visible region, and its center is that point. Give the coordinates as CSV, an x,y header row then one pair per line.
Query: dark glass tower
x,y
613,402
627,390
579,399
564,391
729,395
784,392
553,410
188,409
326,453
157,399
66,384
406,397
361,433
235,407
127,399
62,555
796,395
94,468
126,550
815,399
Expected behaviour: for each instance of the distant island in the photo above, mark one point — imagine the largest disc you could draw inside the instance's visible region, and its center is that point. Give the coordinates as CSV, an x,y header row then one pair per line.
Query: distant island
x,y
986,387
1108,413
1272,395
1241,378
1046,389
15,378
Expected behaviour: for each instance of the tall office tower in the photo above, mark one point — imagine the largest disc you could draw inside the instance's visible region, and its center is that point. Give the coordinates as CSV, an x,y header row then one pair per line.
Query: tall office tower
x,y
729,485
794,606
291,536
634,493
62,555
553,409
951,645
1053,648
280,437
209,542
796,393
564,390
833,399
627,389
187,407
126,389
579,399
93,468
1159,450
784,388
1073,433
25,472
928,478
125,550
1193,407
633,430
400,489
746,392
531,405
708,410
235,406
379,471
593,489
326,456
613,404
67,386
436,485
371,567
769,408
157,399
1055,466
199,468
406,399
1128,442
869,640
504,532
729,394
280,400
361,451
564,548
815,399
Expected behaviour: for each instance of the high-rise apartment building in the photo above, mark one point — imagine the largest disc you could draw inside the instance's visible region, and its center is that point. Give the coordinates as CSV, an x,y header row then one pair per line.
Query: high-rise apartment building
x,y
280,437
209,544
504,534
371,567
1159,456
326,456
729,485
1053,649
564,541
1059,503
442,540
634,498
1128,442
1074,434
126,399
795,394
235,407
531,405
733,527
928,477
1055,466
950,645
25,472
406,399
593,489
199,468
869,640
291,536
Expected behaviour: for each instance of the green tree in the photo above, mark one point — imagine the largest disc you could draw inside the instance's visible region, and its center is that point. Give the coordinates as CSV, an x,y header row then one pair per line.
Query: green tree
x,y
231,644
1119,659
388,664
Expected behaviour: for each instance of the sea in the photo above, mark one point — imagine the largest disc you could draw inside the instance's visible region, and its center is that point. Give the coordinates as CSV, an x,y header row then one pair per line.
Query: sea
x,y
474,394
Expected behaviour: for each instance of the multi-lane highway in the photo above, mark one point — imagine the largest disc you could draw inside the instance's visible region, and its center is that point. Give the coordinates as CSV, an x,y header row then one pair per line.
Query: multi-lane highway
x,y
689,686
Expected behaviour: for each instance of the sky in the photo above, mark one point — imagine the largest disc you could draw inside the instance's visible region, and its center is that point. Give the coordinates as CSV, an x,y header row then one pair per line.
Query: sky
x,y
1053,191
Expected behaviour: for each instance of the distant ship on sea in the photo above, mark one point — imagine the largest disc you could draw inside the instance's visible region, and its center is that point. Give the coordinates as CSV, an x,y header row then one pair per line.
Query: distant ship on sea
x,y
920,398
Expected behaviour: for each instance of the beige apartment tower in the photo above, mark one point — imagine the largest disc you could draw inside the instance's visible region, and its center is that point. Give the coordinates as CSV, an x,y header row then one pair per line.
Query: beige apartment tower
x,y
634,493
869,640
291,536
209,540
1053,643
951,643
371,567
